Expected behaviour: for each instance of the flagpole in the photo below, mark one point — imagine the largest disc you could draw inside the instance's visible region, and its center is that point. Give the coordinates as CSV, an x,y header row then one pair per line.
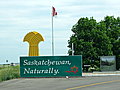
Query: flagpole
x,y
52,38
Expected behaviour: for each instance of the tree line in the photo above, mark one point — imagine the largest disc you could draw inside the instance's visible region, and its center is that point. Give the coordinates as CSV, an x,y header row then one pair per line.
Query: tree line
x,y
92,39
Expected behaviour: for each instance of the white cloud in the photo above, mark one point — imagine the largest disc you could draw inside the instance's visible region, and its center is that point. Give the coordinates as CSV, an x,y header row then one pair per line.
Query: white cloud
x,y
24,3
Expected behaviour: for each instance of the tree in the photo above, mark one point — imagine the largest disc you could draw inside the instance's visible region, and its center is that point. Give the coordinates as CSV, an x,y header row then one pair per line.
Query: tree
x,y
113,32
92,39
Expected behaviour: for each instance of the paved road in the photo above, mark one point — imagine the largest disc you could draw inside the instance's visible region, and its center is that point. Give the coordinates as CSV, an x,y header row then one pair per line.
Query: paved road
x,y
82,83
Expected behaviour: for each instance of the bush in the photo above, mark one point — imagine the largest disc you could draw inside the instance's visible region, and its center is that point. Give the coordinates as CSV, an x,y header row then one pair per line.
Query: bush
x,y
9,72
93,68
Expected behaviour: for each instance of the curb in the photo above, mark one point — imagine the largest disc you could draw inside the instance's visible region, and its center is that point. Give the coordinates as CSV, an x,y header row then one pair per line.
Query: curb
x,y
115,73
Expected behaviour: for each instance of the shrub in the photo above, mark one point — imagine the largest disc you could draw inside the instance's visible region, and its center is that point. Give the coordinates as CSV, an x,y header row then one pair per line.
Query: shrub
x,y
9,72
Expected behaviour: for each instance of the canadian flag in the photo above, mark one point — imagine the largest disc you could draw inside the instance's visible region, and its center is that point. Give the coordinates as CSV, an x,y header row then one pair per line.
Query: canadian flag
x,y
54,13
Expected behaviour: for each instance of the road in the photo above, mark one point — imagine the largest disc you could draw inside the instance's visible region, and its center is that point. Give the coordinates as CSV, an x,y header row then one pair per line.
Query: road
x,y
82,83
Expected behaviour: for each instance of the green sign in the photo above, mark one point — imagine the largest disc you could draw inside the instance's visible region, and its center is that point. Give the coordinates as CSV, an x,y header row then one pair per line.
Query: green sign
x,y
50,66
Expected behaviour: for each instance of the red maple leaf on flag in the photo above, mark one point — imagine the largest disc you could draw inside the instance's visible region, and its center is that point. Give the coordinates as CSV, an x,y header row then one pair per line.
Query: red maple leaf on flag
x,y
54,13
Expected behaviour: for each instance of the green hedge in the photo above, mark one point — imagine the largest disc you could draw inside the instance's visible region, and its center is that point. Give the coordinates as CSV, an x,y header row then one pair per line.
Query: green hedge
x,y
9,72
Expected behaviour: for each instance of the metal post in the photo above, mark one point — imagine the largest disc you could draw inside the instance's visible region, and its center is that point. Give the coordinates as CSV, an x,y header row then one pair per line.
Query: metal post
x,y
72,49
52,38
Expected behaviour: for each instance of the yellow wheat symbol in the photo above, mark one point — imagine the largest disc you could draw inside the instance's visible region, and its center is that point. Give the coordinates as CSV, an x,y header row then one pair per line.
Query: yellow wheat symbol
x,y
33,38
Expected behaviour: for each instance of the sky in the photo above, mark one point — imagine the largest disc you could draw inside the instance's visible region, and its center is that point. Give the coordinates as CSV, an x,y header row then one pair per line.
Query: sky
x,y
19,17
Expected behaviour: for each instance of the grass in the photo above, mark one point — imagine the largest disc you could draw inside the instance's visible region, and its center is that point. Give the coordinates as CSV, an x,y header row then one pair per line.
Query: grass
x,y
10,72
